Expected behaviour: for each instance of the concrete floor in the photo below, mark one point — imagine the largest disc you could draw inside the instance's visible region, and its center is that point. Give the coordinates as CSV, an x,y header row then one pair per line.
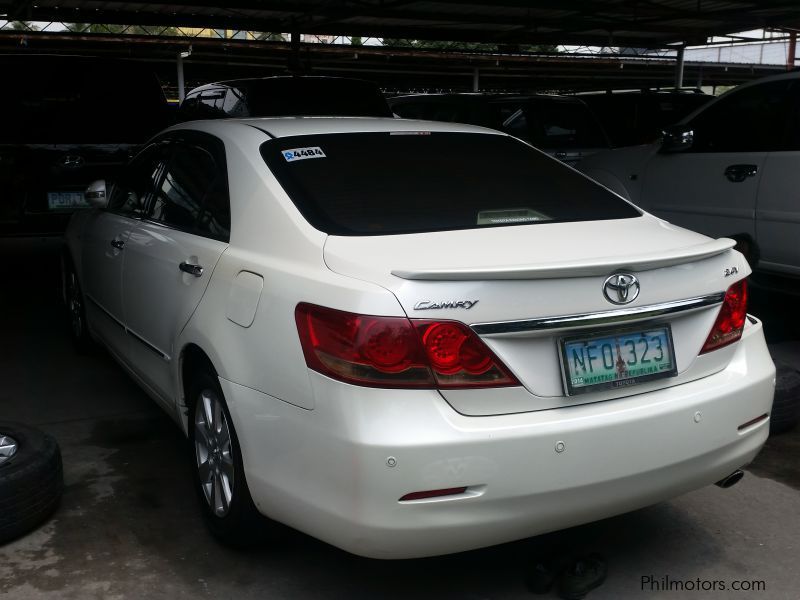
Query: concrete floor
x,y
129,525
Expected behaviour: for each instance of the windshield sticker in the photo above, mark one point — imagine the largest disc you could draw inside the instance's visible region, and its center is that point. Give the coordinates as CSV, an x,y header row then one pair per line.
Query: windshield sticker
x,y
409,133
511,216
302,153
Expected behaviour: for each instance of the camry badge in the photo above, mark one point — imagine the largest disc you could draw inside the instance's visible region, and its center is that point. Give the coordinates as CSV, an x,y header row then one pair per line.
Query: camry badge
x,y
621,288
429,305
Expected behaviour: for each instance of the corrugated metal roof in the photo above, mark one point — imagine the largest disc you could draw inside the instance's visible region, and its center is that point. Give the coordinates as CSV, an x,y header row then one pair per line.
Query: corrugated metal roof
x,y
637,23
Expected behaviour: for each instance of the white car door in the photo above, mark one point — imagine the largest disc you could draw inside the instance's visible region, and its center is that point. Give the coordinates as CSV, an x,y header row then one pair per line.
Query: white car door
x,y
103,249
778,207
171,254
712,187
778,213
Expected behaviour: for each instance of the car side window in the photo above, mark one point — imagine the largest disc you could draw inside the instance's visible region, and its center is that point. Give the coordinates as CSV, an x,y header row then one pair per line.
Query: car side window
x,y
134,187
188,108
235,104
517,124
753,119
792,141
211,103
193,194
507,116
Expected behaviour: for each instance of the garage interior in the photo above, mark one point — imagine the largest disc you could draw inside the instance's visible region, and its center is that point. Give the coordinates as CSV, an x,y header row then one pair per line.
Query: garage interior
x,y
127,525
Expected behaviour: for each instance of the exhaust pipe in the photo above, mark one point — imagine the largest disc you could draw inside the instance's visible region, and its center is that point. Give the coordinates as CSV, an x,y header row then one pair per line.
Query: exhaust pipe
x,y
731,480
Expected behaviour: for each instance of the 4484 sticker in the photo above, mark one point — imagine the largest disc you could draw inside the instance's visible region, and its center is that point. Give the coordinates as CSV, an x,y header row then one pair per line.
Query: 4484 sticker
x,y
302,153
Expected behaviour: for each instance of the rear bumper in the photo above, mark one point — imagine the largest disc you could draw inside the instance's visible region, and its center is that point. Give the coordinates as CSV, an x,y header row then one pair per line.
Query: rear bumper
x,y
327,472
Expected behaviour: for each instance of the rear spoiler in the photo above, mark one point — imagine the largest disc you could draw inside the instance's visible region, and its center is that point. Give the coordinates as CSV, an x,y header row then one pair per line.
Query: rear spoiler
x,y
553,270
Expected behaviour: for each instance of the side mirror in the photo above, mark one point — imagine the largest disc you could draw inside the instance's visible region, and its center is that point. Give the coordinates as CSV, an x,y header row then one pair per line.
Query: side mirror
x,y
677,138
95,194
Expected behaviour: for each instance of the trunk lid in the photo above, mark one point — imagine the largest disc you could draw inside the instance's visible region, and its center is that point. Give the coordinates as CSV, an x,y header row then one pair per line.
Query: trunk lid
x,y
524,275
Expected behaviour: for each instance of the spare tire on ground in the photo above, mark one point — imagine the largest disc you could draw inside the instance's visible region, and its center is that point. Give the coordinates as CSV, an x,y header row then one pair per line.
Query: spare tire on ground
x,y
31,478
786,406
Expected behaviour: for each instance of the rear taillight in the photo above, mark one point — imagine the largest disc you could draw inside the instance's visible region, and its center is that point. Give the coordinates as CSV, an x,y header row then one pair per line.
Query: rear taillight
x,y
459,358
730,321
396,352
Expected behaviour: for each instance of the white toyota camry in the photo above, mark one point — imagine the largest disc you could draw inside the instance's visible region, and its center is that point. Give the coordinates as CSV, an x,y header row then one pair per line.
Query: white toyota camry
x,y
411,338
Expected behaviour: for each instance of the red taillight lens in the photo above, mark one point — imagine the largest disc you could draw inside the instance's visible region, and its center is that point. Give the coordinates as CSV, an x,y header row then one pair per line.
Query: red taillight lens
x,y
459,358
396,352
364,350
730,321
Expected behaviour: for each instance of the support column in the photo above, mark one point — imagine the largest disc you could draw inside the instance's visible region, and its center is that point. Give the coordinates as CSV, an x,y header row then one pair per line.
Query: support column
x,y
792,51
476,79
181,84
679,68
294,51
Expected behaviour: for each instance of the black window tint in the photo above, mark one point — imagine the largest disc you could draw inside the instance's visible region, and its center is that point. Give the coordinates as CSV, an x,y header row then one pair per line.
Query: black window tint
x,y
193,194
188,108
753,119
385,183
793,129
563,125
235,103
517,124
135,185
215,217
422,110
211,104
313,96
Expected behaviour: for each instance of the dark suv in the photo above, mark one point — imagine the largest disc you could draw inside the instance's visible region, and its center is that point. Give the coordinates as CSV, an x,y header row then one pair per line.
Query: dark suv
x,y
67,121
562,126
285,96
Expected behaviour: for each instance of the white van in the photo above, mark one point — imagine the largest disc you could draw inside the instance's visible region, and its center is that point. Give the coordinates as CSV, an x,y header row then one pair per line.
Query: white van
x,y
732,169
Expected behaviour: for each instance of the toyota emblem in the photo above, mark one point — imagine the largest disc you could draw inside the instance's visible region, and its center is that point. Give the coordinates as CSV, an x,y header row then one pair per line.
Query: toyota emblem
x,y
621,288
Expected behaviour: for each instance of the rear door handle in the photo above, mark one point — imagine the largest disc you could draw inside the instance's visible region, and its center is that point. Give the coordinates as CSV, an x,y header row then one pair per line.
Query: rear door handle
x,y
191,269
738,173
118,244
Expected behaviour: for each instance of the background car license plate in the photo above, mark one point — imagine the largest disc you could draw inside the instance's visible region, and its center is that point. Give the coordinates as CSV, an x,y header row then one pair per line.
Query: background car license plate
x,y
617,359
65,200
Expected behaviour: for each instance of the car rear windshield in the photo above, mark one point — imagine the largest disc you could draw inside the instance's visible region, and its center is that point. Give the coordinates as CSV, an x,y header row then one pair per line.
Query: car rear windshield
x,y
411,182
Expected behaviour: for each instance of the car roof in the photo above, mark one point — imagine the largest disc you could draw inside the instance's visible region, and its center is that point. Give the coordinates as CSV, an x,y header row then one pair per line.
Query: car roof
x,y
244,81
479,97
278,127
795,74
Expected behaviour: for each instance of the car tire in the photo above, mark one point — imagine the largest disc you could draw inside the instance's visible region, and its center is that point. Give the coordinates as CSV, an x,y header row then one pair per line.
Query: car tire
x,y
786,405
74,302
218,470
31,479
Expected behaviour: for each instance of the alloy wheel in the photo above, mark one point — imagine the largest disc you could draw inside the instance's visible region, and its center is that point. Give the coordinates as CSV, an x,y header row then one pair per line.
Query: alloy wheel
x,y
8,448
214,453
75,306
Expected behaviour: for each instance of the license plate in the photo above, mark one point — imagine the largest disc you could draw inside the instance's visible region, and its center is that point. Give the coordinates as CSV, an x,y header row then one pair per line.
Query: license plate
x,y
616,359
65,200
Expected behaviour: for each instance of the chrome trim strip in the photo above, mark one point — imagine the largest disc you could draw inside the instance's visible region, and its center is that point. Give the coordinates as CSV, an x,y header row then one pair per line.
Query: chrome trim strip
x,y
607,317
147,344
138,338
105,312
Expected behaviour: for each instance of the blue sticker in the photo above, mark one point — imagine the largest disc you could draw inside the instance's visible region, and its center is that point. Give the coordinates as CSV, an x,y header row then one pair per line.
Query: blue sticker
x,y
302,153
